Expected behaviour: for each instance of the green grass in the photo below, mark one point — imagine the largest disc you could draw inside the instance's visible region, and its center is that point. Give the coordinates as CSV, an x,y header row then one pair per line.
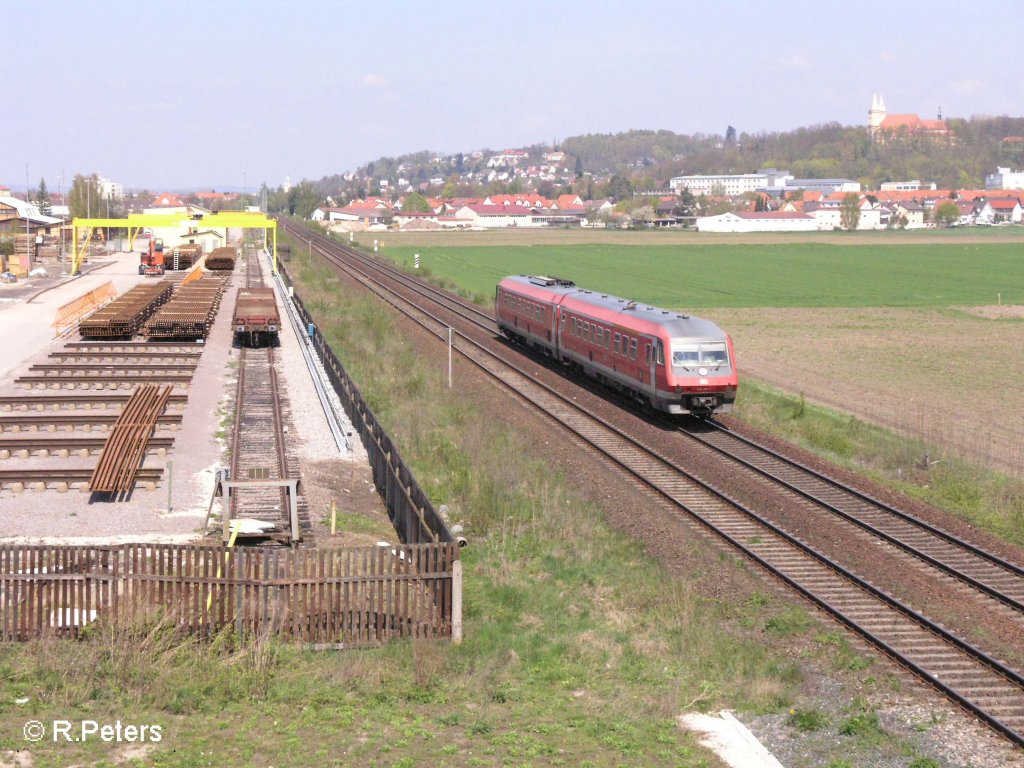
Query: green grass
x,y
348,522
770,275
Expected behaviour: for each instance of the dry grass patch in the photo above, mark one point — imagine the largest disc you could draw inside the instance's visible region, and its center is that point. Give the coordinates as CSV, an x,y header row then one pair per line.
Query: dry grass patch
x,y
946,376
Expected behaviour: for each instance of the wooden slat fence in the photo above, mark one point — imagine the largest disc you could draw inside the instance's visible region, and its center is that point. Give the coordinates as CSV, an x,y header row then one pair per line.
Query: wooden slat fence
x,y
355,596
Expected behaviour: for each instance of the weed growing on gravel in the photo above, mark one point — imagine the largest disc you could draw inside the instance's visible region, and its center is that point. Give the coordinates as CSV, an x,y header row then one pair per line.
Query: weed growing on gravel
x,y
864,726
807,719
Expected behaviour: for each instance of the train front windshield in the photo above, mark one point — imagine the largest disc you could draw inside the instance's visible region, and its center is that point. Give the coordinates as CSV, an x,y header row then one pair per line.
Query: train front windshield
x,y
707,355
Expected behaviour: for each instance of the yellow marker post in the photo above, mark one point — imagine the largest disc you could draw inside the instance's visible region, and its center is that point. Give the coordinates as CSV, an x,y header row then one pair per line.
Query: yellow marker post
x,y
231,543
334,517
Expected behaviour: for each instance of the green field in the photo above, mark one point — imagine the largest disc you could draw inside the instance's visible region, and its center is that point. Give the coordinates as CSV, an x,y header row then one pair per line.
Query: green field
x,y
770,275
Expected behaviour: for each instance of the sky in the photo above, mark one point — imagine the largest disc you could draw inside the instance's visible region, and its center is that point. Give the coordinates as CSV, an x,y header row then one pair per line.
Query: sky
x,y
229,94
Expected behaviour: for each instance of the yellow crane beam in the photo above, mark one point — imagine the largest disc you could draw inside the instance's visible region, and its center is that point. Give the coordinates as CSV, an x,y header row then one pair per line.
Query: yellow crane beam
x,y
138,221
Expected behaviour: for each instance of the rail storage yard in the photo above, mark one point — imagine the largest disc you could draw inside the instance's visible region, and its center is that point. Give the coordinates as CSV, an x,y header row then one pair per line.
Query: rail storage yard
x,y
159,422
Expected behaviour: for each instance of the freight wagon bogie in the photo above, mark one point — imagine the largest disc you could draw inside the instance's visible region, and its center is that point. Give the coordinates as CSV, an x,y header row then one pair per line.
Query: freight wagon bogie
x,y
666,361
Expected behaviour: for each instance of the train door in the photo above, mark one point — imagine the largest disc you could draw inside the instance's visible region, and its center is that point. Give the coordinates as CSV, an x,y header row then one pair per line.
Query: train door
x,y
651,355
558,322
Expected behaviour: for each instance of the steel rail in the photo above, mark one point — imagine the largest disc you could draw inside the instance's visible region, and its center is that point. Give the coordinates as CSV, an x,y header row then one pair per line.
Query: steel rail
x,y
72,474
36,420
125,354
915,550
58,443
126,367
121,379
70,401
923,524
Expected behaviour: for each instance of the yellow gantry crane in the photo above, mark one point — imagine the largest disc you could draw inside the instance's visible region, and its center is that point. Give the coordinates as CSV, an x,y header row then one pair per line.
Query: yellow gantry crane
x,y
136,222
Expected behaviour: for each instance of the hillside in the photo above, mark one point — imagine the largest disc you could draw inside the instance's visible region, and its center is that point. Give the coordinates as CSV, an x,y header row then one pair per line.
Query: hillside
x,y
650,158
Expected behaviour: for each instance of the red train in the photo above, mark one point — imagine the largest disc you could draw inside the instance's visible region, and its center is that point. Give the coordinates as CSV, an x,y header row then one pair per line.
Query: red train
x,y
676,363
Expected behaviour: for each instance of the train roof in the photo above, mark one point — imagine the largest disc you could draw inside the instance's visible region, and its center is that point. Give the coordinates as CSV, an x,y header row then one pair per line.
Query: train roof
x,y
616,309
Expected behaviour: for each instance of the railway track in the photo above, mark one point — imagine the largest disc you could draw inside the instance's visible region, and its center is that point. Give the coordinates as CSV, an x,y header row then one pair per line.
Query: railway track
x,y
968,675
258,446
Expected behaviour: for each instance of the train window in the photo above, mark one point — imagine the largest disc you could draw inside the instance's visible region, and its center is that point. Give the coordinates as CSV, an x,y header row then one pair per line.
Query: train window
x,y
711,354
714,354
598,335
618,342
608,339
661,353
632,349
647,352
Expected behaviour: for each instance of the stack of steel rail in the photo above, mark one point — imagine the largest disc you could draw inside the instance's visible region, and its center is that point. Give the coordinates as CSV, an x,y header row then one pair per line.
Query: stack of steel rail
x,y
125,447
222,258
183,257
124,316
190,314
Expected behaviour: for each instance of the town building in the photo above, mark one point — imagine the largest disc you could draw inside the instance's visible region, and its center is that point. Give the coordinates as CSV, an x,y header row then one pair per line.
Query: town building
x,y
883,126
767,221
914,185
499,216
824,186
731,185
1004,178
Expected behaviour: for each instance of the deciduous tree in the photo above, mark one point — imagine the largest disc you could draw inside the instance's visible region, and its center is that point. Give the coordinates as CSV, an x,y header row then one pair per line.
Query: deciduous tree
x,y
619,187
416,203
85,196
946,214
849,211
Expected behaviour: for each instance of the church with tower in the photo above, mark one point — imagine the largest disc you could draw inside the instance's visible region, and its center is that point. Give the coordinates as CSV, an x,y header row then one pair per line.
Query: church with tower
x,y
882,125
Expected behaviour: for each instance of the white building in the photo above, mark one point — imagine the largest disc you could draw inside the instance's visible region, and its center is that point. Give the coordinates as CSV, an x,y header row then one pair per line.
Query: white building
x,y
1004,178
732,185
110,190
829,214
914,185
825,186
768,221
499,216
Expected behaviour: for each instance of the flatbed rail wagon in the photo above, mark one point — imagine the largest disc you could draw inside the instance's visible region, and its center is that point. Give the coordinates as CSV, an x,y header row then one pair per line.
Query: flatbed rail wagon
x,y
256,318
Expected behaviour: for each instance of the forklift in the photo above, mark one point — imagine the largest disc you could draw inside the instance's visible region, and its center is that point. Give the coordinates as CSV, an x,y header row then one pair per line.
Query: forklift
x,y
152,260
